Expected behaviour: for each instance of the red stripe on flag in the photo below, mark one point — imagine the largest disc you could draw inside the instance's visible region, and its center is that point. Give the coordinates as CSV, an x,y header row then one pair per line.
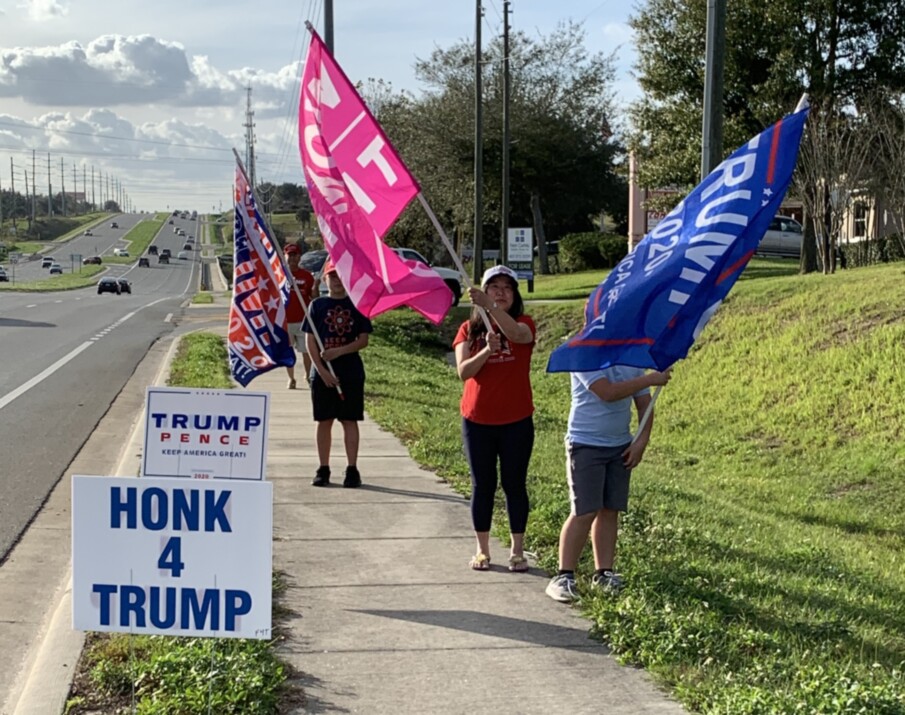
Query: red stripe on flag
x,y
774,150
602,343
740,263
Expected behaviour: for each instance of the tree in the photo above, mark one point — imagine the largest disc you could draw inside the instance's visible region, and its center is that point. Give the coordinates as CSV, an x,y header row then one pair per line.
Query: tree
x,y
889,177
838,51
562,148
110,206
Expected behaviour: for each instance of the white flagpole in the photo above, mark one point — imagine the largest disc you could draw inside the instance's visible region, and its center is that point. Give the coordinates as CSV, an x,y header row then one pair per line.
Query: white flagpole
x,y
453,254
298,293
647,413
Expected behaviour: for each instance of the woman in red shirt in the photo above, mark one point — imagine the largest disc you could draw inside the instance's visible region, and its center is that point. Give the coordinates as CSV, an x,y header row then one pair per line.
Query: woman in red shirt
x,y
497,409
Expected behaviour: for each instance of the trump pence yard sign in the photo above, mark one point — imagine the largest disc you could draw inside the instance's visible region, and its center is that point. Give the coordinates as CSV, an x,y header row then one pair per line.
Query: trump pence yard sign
x,y
171,556
205,434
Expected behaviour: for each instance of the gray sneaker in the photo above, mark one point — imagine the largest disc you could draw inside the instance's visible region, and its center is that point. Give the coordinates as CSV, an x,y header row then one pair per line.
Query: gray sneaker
x,y
608,581
562,588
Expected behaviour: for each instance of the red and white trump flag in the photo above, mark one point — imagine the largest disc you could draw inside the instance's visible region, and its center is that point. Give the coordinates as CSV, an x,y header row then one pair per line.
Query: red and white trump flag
x,y
358,187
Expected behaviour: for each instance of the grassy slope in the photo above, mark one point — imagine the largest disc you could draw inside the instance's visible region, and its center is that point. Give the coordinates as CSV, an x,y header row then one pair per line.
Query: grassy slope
x,y
139,237
763,549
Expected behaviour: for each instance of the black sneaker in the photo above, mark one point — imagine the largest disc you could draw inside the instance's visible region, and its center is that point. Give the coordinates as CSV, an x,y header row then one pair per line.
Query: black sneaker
x,y
353,478
322,478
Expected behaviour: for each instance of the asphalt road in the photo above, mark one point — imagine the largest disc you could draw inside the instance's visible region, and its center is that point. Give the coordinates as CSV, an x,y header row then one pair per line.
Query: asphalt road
x,y
65,357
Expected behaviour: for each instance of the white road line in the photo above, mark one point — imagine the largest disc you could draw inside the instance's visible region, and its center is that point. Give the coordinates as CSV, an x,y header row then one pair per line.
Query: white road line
x,y
33,305
40,377
168,318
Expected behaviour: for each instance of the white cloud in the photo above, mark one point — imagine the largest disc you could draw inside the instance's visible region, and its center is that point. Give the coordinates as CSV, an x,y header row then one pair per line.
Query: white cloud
x,y
44,10
120,70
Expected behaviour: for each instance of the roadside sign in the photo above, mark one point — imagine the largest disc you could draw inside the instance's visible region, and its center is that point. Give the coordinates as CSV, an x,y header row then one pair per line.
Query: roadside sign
x,y
520,245
14,258
205,434
172,557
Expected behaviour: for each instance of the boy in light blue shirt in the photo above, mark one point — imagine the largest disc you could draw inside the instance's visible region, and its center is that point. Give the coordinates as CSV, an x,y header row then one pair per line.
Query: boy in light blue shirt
x,y
600,456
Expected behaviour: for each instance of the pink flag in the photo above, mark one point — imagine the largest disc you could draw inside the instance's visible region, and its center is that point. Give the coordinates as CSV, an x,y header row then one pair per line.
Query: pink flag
x,y
358,187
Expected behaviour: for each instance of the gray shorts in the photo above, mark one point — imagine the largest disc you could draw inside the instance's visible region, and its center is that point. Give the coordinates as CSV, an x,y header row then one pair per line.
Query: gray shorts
x,y
297,336
597,478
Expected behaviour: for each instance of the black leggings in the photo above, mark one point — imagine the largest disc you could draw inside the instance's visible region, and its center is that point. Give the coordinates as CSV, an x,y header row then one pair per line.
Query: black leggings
x,y
512,445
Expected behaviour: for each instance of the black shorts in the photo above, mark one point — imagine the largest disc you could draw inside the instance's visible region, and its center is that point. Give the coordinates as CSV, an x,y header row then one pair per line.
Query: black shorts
x,y
328,405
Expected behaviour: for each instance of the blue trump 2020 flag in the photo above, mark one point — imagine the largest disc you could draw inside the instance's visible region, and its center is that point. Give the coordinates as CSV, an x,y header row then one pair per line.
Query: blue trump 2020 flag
x,y
258,337
654,304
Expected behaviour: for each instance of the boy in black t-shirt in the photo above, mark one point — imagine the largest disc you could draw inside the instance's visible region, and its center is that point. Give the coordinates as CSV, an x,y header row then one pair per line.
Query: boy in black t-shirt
x,y
344,331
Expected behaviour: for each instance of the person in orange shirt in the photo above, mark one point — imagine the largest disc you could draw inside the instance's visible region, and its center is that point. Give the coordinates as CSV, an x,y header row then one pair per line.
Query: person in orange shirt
x,y
295,313
497,409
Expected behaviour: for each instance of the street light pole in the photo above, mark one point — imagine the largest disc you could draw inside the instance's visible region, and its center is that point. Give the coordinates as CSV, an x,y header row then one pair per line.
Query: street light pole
x,y
328,24
504,236
478,266
712,130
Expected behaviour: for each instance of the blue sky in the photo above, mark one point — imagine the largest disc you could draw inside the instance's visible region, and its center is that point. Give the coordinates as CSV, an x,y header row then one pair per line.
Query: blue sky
x,y
154,92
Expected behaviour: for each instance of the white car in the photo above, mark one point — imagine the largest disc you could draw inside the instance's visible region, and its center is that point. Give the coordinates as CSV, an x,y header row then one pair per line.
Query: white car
x,y
120,252
56,269
453,279
182,256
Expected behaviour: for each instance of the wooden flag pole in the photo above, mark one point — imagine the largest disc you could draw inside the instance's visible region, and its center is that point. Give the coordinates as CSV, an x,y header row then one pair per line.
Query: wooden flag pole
x,y
453,254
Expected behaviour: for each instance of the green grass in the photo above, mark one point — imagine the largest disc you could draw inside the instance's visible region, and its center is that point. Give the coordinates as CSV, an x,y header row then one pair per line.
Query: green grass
x,y
26,247
67,281
204,297
171,674
140,237
578,286
763,549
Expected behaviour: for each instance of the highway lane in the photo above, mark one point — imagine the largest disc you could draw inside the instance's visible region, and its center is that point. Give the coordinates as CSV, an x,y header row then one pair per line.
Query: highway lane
x,y
65,356
102,242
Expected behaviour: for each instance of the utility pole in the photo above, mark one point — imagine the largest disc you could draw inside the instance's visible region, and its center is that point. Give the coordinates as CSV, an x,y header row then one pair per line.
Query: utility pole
x,y
30,217
63,184
712,130
504,235
12,181
250,139
107,192
328,24
478,266
34,201
93,205
85,186
49,190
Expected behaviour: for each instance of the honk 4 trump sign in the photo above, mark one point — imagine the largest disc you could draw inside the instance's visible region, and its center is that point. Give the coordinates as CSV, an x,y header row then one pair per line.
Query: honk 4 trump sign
x,y
205,434
172,557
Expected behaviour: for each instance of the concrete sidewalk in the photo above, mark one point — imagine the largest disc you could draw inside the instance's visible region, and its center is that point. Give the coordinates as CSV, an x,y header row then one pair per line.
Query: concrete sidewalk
x,y
386,615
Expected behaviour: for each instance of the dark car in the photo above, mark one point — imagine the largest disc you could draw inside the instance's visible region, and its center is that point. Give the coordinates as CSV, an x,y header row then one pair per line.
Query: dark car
x,y
124,286
3,277
166,252
143,262
188,247
313,261
152,250
163,258
113,224
108,285
92,261
88,232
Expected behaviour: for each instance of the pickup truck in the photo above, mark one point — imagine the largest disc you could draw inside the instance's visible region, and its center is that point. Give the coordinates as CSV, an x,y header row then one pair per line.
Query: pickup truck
x,y
453,279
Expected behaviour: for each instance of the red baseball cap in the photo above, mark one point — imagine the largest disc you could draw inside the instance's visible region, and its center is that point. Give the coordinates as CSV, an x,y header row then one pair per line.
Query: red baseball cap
x,y
290,248
328,268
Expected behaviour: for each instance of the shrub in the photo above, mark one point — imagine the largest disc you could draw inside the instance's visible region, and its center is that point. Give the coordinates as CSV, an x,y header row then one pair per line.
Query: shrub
x,y
592,250
886,249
